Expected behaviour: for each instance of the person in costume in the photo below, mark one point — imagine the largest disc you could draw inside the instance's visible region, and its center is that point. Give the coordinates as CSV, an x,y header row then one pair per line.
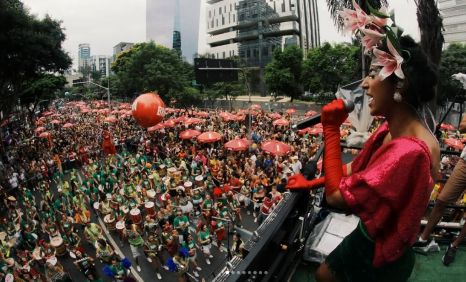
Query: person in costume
x,y
92,232
104,251
388,184
190,245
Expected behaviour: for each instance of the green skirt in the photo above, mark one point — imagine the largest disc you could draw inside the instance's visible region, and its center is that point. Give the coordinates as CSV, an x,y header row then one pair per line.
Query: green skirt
x,y
352,260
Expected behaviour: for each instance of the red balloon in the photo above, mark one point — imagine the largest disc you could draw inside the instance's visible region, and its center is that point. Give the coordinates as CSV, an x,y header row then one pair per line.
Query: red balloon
x,y
148,109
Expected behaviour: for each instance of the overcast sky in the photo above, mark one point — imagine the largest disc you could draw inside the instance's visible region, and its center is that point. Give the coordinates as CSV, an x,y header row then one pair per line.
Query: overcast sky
x,y
104,23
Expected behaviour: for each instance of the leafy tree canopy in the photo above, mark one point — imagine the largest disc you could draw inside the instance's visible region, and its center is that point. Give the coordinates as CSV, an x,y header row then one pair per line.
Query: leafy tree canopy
x,y
328,67
283,73
453,61
150,67
30,48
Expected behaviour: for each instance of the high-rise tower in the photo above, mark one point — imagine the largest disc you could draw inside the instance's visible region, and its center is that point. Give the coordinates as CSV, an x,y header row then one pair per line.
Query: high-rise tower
x,y
177,28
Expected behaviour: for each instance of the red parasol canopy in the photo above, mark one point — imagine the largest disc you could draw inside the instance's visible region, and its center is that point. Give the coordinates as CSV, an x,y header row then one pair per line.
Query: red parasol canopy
x,y
237,145
44,135
110,119
454,143
46,114
256,107
291,111
281,122
275,115
155,127
170,123
190,121
189,134
275,148
446,126
55,121
310,113
209,137
311,130
40,129
68,125
202,114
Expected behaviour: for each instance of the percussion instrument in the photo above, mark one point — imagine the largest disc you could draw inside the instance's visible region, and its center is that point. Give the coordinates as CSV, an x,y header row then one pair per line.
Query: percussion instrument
x,y
187,208
109,222
150,208
199,180
177,176
171,172
36,254
9,278
115,205
59,246
150,194
52,260
120,227
135,216
162,171
96,206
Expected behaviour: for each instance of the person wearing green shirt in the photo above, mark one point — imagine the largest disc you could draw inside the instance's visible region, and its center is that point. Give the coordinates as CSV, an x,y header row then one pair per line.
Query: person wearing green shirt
x,y
190,244
205,239
135,242
181,223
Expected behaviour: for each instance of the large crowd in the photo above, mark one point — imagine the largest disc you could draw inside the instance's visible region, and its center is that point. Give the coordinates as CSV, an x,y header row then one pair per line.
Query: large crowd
x,y
170,199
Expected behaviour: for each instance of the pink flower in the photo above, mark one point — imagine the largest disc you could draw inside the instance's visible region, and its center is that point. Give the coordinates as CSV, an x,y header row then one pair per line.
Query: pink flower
x,y
380,22
371,38
354,19
390,62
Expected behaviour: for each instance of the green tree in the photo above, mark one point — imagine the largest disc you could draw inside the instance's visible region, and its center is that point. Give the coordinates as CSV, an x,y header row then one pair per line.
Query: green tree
x,y
42,90
283,73
149,67
453,61
30,48
329,66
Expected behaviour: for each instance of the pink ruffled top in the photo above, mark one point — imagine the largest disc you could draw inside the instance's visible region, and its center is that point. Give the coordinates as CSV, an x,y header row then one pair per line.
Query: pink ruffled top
x,y
389,190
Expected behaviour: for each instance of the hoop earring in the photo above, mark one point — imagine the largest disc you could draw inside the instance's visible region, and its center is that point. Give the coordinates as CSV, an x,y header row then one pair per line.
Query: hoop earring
x,y
397,97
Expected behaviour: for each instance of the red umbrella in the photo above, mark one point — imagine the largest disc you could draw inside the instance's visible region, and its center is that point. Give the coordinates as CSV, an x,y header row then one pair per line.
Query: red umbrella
x,y
55,121
170,123
275,115
46,114
202,114
281,122
311,130
310,113
291,111
155,127
180,119
68,125
275,148
190,121
454,143
110,119
40,129
189,134
44,135
256,107
447,126
237,145
209,137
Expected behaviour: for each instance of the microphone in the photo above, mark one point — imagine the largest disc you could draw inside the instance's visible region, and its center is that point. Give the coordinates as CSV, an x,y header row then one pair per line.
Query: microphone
x,y
311,121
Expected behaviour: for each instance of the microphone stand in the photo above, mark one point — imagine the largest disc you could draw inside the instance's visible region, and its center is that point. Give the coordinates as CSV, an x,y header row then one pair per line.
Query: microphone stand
x,y
228,221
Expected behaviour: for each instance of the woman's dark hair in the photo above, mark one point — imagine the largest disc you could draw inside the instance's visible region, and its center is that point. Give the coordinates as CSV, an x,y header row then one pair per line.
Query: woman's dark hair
x,y
420,74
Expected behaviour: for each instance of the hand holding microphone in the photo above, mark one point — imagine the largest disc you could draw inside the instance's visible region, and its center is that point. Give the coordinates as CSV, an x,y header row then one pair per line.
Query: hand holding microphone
x,y
339,107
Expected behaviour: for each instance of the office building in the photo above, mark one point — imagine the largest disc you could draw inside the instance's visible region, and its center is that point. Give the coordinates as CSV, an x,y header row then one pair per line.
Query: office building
x,y
84,55
160,24
121,47
253,29
101,64
454,20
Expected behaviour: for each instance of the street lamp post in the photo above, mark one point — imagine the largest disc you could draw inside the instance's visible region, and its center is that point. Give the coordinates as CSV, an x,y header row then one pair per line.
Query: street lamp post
x,y
101,86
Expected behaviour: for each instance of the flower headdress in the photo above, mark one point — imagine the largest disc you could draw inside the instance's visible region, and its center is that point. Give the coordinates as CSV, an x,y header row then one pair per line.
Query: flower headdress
x,y
376,33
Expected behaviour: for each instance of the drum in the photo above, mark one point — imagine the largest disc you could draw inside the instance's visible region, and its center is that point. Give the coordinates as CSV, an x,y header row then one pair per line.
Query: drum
x,y
59,246
9,278
199,181
187,208
150,194
150,208
124,209
135,216
177,176
120,227
36,254
96,206
109,222
171,172
115,205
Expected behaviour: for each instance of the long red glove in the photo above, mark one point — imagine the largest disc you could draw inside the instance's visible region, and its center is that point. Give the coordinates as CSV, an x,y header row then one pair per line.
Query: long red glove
x,y
299,182
333,115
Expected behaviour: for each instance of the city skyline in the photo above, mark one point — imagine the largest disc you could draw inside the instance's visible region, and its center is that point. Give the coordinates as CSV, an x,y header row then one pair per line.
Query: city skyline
x,y
105,23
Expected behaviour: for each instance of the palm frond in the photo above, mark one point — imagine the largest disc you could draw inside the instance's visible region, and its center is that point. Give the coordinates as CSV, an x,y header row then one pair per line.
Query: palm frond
x,y
337,5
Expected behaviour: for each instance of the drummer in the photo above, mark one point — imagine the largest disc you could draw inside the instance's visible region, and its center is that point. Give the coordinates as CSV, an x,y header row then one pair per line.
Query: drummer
x,y
190,244
135,242
104,252
197,200
152,248
207,206
181,224
205,240
92,232
106,205
150,224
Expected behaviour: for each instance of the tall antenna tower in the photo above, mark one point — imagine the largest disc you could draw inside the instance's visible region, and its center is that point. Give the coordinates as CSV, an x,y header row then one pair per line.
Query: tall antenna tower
x,y
177,29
